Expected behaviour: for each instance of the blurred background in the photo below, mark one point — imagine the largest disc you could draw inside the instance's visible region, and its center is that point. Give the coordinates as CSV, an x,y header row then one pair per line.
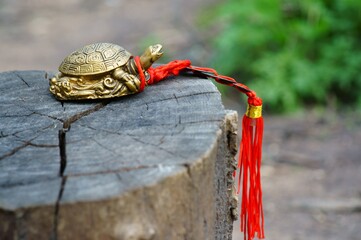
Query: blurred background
x,y
303,57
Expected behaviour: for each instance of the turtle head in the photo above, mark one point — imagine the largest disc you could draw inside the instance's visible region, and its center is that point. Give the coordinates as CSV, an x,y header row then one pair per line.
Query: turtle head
x,y
150,55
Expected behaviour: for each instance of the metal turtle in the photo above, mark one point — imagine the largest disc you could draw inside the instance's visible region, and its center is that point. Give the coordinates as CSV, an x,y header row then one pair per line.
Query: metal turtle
x,y
101,70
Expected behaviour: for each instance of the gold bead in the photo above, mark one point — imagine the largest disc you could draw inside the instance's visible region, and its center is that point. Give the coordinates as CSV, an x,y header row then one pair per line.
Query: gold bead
x,y
254,111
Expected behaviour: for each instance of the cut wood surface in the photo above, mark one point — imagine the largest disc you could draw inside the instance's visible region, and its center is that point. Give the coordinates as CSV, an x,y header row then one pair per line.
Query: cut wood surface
x,y
154,165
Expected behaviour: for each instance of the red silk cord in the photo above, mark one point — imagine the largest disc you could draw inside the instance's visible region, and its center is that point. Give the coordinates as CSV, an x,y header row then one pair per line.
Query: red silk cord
x,y
141,73
250,153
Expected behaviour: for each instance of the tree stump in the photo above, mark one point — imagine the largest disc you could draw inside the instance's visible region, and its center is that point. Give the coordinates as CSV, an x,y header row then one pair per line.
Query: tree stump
x,y
154,165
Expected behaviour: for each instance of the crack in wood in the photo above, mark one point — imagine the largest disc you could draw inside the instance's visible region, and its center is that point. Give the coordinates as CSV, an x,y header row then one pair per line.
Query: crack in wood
x,y
57,208
157,146
177,125
135,138
27,182
3,135
12,152
105,147
66,127
78,116
30,114
181,129
43,145
49,116
188,168
21,78
63,158
174,97
25,142
62,150
17,115
15,150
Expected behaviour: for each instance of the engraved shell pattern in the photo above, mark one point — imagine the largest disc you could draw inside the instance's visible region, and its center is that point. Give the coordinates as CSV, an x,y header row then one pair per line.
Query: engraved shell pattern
x,y
94,58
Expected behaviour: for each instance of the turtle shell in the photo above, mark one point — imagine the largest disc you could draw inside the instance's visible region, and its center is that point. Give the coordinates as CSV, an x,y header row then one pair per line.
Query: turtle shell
x,y
94,58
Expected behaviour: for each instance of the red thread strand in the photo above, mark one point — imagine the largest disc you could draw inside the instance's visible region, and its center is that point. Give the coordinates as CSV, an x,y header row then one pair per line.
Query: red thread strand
x,y
170,69
141,73
252,97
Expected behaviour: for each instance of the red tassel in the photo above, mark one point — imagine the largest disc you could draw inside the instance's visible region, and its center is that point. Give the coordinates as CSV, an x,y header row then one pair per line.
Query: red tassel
x,y
250,156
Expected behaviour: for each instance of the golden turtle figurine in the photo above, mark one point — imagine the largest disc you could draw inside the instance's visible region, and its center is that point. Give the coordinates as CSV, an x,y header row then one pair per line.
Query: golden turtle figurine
x,y
101,70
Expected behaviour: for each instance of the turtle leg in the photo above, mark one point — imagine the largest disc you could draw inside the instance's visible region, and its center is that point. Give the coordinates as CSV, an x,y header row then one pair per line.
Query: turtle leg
x,y
130,80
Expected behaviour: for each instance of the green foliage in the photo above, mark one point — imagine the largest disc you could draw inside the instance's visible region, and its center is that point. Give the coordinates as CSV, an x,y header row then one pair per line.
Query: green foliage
x,y
296,52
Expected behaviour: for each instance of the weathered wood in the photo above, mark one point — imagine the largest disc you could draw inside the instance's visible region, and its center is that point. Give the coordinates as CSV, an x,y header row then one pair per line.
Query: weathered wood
x,y
155,165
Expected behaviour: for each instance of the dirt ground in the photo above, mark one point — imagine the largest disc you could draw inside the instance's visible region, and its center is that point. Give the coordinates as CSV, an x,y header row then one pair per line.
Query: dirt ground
x,y
312,161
